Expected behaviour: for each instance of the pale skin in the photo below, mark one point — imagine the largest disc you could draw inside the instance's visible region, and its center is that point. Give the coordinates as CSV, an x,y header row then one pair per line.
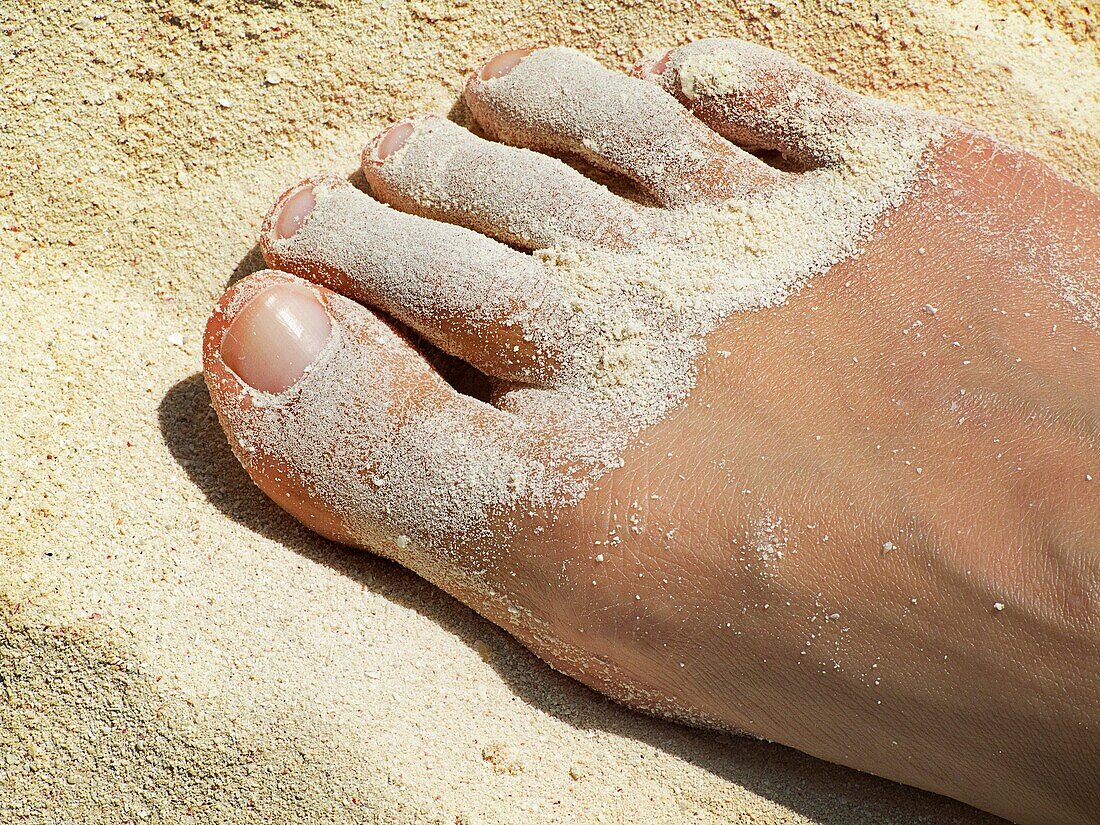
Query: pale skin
x,y
934,488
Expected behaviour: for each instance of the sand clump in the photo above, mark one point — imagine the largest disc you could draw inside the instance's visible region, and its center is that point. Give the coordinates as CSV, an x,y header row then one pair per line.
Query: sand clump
x,y
172,647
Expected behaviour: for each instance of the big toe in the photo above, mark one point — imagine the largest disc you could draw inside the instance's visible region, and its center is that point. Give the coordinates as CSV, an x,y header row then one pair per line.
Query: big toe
x,y
342,422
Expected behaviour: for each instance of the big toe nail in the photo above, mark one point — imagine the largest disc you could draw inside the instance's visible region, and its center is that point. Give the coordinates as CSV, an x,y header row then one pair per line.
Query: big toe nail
x,y
275,338
503,63
295,211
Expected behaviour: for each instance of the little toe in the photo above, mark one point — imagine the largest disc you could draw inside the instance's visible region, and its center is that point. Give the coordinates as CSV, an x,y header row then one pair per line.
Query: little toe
x,y
473,297
560,101
432,167
761,99
341,422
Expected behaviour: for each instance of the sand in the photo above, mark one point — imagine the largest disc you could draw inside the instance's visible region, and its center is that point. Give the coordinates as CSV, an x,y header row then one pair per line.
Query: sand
x,y
174,648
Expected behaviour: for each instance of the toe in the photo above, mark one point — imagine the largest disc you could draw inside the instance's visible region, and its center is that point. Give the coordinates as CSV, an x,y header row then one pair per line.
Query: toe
x,y
341,422
558,100
432,167
761,99
471,296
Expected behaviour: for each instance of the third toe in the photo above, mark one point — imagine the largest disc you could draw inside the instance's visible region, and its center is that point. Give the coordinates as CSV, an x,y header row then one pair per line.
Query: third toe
x,y
432,167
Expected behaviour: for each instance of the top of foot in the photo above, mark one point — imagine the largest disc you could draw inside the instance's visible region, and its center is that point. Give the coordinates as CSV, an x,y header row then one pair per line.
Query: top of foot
x,y
629,424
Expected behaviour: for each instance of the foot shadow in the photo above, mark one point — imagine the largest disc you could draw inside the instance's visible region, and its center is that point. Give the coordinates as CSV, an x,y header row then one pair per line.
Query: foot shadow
x,y
252,262
815,789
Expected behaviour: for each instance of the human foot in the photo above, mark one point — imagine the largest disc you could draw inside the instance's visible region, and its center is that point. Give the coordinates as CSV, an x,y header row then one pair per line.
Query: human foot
x,y
693,486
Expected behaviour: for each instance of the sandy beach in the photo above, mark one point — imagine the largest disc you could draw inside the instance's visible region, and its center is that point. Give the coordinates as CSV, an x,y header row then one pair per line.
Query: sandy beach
x,y
176,649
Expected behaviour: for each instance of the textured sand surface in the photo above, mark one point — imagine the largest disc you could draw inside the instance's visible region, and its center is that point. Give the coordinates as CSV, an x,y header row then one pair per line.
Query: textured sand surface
x,y
174,648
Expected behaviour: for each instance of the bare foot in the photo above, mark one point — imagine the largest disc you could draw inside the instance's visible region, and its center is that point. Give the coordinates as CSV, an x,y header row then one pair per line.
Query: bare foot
x,y
809,450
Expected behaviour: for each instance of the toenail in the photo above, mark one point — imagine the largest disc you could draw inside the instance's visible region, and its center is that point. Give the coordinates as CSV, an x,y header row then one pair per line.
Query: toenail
x,y
294,212
392,140
654,63
274,339
503,63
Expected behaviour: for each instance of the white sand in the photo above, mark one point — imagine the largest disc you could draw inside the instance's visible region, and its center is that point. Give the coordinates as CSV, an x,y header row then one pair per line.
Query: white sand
x,y
172,645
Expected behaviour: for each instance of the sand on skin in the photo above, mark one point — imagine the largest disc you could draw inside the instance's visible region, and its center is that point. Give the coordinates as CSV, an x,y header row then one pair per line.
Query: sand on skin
x,y
174,648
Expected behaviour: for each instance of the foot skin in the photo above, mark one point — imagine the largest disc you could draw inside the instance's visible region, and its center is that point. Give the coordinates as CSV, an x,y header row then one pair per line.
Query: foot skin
x,y
857,513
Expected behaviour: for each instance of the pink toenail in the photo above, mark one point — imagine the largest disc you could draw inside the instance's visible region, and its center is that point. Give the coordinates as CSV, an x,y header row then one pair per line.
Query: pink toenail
x,y
392,140
503,63
653,63
294,212
274,339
